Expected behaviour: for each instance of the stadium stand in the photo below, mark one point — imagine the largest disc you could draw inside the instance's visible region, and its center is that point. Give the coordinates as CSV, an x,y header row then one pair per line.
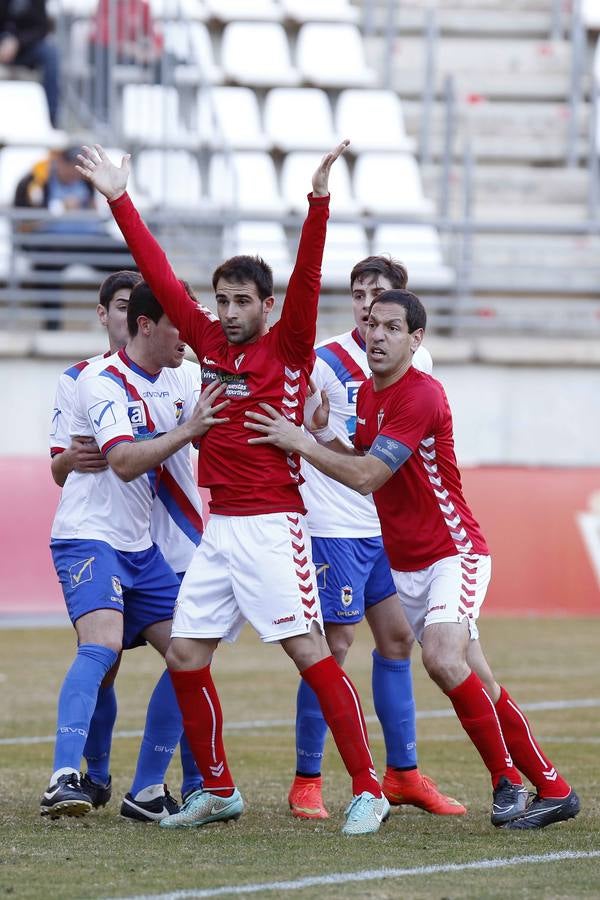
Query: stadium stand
x,y
496,213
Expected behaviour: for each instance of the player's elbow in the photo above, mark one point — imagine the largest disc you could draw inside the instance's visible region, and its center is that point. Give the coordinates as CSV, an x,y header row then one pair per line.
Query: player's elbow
x,y
122,463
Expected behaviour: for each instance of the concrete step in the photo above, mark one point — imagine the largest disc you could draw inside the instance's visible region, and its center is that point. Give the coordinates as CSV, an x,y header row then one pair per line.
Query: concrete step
x,y
511,68
500,130
514,185
413,19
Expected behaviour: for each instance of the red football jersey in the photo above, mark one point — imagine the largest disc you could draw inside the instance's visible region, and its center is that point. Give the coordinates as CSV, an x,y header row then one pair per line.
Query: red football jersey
x,y
244,479
424,516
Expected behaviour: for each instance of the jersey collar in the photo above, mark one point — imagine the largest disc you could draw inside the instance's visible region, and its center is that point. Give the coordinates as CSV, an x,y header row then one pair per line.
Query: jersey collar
x,y
358,339
135,368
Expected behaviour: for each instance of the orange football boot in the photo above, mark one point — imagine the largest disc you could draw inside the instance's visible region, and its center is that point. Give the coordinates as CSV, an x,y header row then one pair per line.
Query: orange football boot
x,y
413,789
305,799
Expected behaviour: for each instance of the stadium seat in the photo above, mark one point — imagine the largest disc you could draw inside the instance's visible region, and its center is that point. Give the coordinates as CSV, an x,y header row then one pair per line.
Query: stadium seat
x,y
590,14
5,248
230,117
257,54
244,180
168,178
265,238
333,55
386,183
296,173
346,243
299,119
15,162
373,119
418,247
150,115
77,62
184,10
24,117
319,11
189,43
243,10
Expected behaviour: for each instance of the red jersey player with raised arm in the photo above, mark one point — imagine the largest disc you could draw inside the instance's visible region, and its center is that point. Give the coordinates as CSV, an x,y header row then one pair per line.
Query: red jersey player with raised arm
x,y
404,456
254,563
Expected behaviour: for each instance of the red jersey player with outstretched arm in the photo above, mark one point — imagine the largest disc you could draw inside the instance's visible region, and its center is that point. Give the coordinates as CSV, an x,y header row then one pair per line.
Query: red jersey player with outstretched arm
x,y
254,563
404,456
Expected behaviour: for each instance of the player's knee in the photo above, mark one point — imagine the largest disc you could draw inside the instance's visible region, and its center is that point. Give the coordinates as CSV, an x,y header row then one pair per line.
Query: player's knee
x,y
397,645
340,643
447,670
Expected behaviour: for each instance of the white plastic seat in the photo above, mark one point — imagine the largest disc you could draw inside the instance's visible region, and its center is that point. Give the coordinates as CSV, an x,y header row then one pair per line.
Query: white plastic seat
x,y
389,182
296,173
299,119
15,163
333,55
77,63
230,117
244,10
190,44
590,14
418,248
150,115
187,10
346,243
258,54
24,117
5,248
319,11
374,120
264,238
245,181
168,178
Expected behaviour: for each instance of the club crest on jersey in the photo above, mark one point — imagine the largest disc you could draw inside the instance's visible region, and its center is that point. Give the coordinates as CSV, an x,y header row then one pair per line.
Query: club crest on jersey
x,y
321,573
239,360
116,585
346,595
137,414
178,404
379,419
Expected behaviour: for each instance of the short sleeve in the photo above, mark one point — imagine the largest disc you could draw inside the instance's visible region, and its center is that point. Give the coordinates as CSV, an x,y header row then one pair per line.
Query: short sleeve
x,y
102,403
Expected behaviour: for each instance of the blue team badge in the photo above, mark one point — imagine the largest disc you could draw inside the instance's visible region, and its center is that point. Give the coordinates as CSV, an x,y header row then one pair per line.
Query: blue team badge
x,y
116,585
178,404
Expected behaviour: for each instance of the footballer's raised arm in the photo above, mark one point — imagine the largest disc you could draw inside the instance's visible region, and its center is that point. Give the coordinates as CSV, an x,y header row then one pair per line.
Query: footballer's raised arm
x,y
111,180
298,323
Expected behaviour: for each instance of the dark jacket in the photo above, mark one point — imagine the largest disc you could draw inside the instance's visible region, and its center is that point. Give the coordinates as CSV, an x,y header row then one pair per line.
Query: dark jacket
x,y
27,20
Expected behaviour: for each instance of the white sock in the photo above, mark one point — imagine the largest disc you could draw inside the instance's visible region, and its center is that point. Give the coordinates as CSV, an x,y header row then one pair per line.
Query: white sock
x,y
150,793
67,770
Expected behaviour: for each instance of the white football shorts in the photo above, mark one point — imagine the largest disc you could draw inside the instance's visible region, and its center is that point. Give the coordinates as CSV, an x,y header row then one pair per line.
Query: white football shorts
x,y
450,590
255,569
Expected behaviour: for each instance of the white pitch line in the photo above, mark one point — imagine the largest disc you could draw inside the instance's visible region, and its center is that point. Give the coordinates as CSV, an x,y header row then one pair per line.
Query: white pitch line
x,y
365,875
263,724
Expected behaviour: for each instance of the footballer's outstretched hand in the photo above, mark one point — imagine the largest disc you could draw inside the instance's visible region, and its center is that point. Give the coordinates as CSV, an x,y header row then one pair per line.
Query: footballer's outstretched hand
x,y
320,180
205,412
96,167
275,429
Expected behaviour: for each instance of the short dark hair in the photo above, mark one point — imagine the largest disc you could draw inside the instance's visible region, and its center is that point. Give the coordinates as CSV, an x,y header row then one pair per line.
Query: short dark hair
x,y
385,266
142,302
117,281
416,317
246,268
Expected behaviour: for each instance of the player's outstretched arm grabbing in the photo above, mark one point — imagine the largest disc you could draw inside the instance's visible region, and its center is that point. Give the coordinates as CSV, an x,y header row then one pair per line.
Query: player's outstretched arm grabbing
x,y
364,474
131,459
82,455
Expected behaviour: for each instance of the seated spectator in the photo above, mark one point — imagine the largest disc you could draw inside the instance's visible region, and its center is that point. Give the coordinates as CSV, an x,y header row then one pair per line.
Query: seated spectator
x,y
54,184
25,40
123,32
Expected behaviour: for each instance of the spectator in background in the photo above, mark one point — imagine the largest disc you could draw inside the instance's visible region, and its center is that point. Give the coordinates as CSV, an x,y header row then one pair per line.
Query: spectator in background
x,y
25,40
123,32
55,185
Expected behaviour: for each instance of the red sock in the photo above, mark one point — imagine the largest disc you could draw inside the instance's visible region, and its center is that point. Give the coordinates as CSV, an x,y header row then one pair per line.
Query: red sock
x,y
525,750
342,711
477,715
203,724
